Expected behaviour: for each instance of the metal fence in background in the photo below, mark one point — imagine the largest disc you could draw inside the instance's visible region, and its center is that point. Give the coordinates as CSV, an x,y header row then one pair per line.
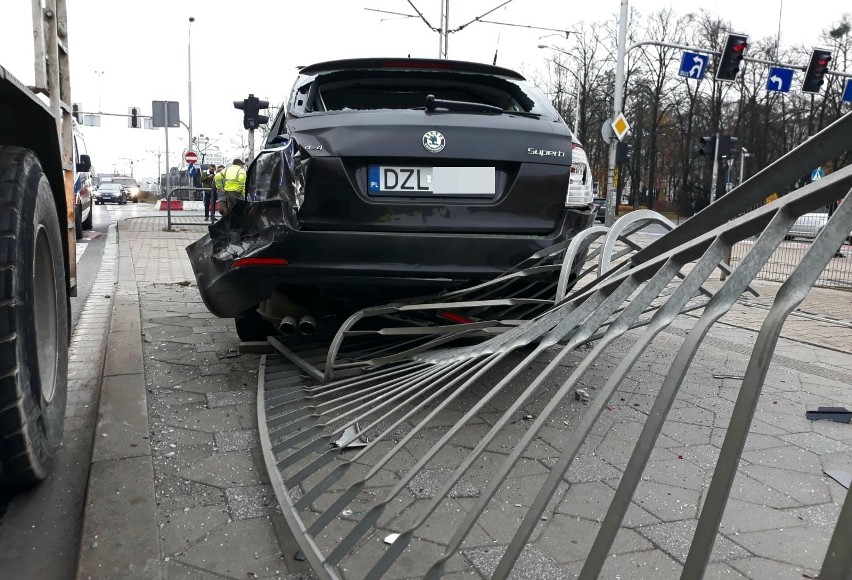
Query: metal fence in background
x,y
184,194
790,252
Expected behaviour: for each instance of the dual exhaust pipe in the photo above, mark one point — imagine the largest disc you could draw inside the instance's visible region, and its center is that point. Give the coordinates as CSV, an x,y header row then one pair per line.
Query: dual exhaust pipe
x,y
306,325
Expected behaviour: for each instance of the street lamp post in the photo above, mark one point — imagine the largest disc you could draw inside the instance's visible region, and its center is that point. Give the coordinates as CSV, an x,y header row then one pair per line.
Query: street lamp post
x,y
189,77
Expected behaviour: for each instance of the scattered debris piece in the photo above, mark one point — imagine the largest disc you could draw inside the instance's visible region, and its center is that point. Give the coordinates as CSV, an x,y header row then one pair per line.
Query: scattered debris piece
x,y
844,478
299,557
566,423
838,414
350,434
184,283
391,538
229,354
529,417
582,395
734,377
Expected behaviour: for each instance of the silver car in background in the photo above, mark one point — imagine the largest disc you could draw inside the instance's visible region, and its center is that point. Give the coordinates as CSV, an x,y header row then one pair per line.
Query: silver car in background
x,y
809,226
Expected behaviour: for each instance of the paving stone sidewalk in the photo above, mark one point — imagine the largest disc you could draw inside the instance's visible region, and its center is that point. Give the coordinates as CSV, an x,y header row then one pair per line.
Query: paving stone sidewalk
x,y
218,516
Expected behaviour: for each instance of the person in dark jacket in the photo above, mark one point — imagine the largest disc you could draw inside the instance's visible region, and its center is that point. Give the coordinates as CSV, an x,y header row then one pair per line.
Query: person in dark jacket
x,y
210,197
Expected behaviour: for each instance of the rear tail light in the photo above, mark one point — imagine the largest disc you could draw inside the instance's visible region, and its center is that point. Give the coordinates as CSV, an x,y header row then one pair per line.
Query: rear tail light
x,y
580,180
248,262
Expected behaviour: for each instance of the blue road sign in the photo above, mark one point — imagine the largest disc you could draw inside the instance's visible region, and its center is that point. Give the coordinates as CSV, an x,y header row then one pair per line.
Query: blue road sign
x,y
817,173
693,65
779,79
847,92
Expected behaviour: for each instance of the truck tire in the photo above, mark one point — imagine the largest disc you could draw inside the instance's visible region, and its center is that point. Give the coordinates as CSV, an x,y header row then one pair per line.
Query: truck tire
x,y
87,223
78,223
34,326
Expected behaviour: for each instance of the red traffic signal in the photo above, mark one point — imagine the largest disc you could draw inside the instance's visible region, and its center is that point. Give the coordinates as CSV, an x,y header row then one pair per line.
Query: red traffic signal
x,y
732,56
814,76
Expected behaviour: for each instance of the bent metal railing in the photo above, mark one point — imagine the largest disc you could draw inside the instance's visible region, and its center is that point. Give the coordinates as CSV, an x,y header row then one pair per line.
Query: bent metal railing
x,y
342,453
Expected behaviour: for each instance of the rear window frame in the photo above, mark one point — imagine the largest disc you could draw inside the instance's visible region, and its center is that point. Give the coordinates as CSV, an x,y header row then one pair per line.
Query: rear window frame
x,y
305,90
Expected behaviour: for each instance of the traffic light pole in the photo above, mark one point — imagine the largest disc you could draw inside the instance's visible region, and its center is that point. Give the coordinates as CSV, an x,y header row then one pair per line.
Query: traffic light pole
x,y
251,146
715,180
612,193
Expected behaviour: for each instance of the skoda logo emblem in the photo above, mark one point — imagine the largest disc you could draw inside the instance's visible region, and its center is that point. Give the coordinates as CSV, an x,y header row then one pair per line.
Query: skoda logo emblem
x,y
433,141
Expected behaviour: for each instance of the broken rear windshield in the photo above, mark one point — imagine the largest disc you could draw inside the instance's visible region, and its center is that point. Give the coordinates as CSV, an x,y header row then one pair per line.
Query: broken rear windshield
x,y
369,90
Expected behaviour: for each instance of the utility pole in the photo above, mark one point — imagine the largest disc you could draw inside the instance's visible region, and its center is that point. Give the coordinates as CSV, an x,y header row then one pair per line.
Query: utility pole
x,y
189,75
444,45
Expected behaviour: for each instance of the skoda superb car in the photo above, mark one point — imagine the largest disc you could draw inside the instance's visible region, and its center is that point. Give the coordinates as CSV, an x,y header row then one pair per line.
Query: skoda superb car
x,y
386,178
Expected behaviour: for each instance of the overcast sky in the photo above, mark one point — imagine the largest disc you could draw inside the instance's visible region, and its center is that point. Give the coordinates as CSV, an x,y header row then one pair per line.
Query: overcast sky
x,y
127,53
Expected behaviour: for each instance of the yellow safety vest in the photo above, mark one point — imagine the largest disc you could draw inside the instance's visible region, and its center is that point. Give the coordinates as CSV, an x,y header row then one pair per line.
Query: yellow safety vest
x,y
234,178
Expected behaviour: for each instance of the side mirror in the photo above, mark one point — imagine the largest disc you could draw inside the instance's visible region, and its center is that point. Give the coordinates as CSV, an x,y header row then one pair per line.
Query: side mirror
x,y
85,164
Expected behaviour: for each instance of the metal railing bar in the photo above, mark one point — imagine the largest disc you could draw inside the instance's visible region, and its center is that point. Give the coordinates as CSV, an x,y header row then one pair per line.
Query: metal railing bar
x,y
309,548
715,309
596,318
661,319
317,490
616,329
295,359
790,295
375,512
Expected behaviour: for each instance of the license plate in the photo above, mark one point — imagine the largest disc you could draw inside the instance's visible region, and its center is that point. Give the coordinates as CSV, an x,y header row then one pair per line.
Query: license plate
x,y
398,180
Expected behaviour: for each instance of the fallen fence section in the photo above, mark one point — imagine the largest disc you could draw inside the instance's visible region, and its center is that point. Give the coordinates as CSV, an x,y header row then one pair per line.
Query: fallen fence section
x,y
402,410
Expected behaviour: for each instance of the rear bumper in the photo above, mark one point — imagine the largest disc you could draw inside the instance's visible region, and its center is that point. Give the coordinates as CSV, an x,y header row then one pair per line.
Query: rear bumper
x,y
373,265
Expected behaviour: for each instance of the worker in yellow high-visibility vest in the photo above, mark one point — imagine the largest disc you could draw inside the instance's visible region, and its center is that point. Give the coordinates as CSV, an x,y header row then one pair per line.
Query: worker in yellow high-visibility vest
x,y
232,181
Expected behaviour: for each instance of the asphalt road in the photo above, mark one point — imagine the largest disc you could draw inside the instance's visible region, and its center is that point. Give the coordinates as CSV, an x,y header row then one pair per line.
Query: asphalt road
x,y
34,510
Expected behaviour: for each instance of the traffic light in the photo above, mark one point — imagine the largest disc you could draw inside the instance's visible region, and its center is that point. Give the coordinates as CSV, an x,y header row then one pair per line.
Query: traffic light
x,y
623,153
251,107
75,112
814,76
134,120
732,56
708,146
727,145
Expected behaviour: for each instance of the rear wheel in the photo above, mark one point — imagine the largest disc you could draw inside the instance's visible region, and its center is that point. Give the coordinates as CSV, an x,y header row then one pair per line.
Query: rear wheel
x,y
34,324
251,327
78,222
87,223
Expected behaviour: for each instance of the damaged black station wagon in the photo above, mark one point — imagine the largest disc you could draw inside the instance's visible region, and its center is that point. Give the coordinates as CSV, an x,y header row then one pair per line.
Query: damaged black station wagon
x,y
389,178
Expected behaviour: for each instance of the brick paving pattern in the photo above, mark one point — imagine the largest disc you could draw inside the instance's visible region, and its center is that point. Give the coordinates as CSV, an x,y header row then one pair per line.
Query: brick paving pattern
x,y
217,515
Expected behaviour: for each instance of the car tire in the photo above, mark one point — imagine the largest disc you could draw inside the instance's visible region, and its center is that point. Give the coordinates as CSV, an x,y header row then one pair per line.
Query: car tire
x,y
251,327
78,222
87,223
34,321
